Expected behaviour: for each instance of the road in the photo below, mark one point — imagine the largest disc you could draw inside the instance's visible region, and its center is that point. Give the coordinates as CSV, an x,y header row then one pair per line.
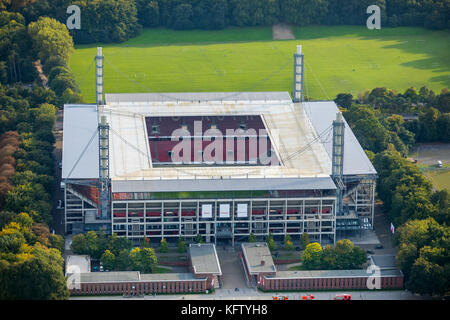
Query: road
x,y
252,294
58,214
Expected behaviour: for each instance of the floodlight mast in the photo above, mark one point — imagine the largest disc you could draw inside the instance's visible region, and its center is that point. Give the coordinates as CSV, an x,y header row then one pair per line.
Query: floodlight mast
x,y
298,74
103,137
337,162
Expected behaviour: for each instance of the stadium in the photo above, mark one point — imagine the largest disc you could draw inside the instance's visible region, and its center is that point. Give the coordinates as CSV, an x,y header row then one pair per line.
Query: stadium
x,y
222,165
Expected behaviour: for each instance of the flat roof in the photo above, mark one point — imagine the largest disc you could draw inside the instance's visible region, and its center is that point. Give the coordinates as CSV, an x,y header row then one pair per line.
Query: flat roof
x,y
167,276
78,264
112,276
132,276
293,128
254,254
80,142
204,259
322,114
214,184
357,273
118,98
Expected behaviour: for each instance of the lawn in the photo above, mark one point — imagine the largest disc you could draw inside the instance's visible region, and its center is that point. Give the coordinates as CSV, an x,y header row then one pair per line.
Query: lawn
x,y
337,59
439,178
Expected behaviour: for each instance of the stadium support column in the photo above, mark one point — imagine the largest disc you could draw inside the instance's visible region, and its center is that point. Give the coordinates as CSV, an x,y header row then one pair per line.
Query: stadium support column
x,y
99,77
103,137
298,74
103,132
337,162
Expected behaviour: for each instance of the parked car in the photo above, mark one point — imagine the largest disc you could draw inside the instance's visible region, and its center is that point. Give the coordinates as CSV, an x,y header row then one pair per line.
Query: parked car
x,y
60,164
379,246
370,252
298,249
308,297
343,296
280,298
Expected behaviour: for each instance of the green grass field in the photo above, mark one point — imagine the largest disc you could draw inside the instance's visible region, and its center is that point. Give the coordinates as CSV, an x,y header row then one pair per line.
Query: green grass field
x,y
440,178
338,59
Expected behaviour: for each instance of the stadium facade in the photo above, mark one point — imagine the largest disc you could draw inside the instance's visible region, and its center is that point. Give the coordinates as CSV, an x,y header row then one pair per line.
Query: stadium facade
x,y
222,165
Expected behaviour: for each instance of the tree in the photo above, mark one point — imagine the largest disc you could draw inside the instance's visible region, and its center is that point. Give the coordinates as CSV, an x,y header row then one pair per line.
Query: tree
x,y
145,243
428,278
329,260
304,240
210,14
311,257
198,238
271,244
24,220
182,248
303,12
143,260
428,127
148,12
61,82
135,259
344,100
181,18
11,239
443,127
57,242
164,246
123,260
92,245
148,260
78,244
443,101
288,245
37,275
367,127
418,232
50,38
118,17
345,255
116,244
108,259
6,217
406,256
251,238
441,200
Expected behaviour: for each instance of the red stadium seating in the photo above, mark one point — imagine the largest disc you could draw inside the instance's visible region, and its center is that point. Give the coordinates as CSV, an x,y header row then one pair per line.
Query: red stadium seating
x,y
258,211
153,214
119,214
89,192
188,213
161,144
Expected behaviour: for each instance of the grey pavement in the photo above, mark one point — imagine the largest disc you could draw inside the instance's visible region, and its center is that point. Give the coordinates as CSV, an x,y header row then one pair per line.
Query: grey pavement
x,y
232,271
252,294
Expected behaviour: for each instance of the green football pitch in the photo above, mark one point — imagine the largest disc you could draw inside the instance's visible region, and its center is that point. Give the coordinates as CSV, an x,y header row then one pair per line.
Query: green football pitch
x,y
337,59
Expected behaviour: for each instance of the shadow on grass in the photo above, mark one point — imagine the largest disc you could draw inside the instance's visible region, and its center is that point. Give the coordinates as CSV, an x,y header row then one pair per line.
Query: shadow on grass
x,y
433,44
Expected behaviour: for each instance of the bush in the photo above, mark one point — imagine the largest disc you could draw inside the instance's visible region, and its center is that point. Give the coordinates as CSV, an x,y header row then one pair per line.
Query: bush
x,y
164,247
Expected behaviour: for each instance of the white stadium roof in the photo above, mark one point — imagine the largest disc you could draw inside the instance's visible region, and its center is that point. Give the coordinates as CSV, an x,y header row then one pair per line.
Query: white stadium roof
x,y
80,142
291,127
322,114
